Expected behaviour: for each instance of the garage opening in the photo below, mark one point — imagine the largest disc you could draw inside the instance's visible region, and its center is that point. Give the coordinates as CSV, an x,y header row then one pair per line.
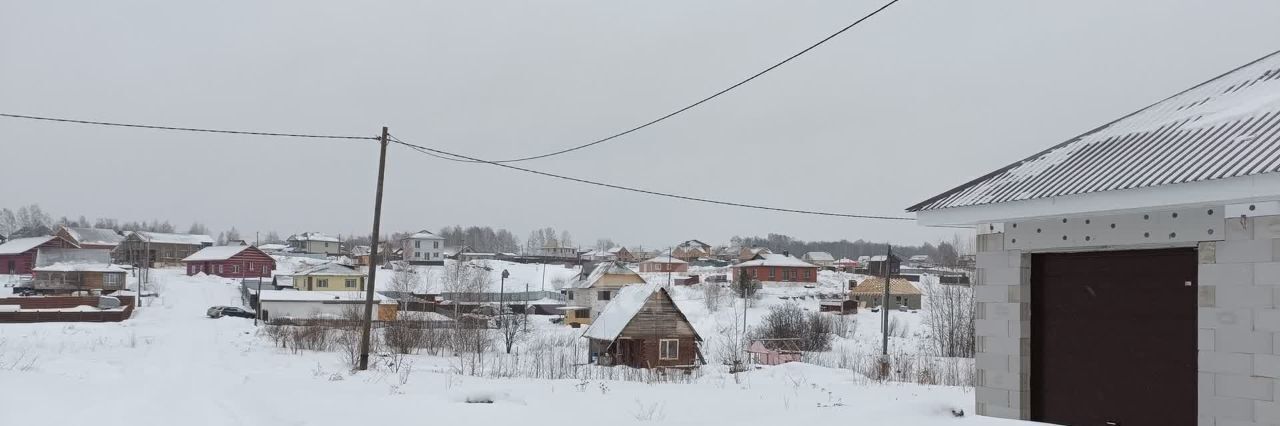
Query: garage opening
x,y
1114,337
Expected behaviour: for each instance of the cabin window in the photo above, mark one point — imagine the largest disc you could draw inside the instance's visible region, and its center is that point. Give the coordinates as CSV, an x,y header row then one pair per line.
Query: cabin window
x,y
806,273
266,270
111,279
604,295
773,273
235,269
219,269
569,295
435,244
350,283
323,282
669,349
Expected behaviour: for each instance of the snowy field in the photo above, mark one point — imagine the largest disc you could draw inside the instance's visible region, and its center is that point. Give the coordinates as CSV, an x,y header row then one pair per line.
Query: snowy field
x,y
173,365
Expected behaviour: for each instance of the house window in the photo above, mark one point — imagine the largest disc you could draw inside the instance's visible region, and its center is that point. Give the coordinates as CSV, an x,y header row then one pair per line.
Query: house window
x,y
806,274
219,269
417,244
351,283
111,279
323,282
266,270
669,349
417,255
773,273
435,255
435,244
235,269
604,295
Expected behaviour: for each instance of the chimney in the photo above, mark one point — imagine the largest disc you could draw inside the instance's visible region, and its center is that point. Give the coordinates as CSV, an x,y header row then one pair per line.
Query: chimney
x,y
786,253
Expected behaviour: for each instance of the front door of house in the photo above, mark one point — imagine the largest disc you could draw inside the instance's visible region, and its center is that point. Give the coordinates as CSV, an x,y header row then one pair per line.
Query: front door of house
x,y
1113,337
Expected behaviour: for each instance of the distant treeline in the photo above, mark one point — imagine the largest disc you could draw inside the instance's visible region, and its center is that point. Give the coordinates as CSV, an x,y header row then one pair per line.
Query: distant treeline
x,y
943,252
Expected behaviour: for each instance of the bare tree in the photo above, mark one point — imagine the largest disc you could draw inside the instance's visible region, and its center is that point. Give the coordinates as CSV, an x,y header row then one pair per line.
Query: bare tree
x,y
198,228
511,327
8,222
950,319
712,296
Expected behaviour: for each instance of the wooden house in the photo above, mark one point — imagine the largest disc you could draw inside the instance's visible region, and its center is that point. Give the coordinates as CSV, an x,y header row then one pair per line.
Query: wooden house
x,y
664,264
748,253
691,250
870,292
158,248
643,328
314,243
328,277
819,258
621,254
778,269
62,278
586,296
91,238
845,264
18,255
360,255
231,262
875,265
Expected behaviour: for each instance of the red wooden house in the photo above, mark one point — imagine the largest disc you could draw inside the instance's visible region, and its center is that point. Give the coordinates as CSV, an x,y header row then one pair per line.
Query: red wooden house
x,y
231,262
778,268
18,256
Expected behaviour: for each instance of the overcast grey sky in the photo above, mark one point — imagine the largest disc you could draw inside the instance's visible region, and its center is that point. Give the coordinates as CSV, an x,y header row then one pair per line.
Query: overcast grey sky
x,y
919,99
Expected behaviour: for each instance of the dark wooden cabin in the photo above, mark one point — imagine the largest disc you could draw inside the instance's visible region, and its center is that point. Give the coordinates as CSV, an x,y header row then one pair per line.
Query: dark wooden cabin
x,y
642,327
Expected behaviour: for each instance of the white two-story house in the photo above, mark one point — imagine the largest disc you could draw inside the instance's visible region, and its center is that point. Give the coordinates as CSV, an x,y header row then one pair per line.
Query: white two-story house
x,y
423,248
589,294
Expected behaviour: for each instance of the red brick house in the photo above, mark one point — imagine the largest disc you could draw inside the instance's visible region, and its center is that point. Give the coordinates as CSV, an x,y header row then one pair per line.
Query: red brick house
x,y
18,255
777,269
231,262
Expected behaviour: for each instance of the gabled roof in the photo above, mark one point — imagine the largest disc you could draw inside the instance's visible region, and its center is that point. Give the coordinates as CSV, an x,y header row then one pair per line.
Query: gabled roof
x,y
80,267
881,257
94,236
607,268
664,259
23,245
617,250
423,235
623,307
360,250
313,236
874,286
770,259
216,253
819,256
330,269
1222,128
164,238
846,261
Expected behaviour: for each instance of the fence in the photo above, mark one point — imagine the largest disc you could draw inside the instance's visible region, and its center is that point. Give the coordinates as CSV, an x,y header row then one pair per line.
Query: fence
x,y
63,316
515,296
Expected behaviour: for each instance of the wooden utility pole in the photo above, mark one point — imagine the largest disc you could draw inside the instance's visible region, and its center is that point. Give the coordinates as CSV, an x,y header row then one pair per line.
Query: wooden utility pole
x,y
373,255
887,267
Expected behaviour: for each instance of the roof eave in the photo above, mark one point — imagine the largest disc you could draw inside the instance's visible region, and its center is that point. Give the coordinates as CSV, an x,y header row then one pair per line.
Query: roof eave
x,y
1262,187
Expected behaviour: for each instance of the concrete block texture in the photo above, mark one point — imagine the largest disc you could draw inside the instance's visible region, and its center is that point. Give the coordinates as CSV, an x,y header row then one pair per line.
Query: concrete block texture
x,y
1245,251
999,259
1225,363
1267,412
1267,320
1006,276
1266,366
1254,296
1221,318
1226,274
991,396
1227,408
1266,273
1266,227
1255,388
1206,338
1237,230
1243,341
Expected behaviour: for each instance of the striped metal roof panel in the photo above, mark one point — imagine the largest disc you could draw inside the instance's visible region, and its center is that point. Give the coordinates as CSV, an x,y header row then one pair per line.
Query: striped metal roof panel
x,y
1226,127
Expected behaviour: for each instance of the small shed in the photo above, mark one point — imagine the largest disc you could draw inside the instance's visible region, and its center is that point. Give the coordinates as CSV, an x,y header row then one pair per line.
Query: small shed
x,y
61,278
820,258
643,328
18,255
230,262
839,307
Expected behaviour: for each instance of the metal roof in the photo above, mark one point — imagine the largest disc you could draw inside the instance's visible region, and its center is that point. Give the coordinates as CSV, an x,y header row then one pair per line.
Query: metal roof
x,y
1226,127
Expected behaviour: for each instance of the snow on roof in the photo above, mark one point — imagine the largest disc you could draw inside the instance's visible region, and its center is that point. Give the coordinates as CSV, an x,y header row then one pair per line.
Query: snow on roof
x,y
360,250
272,247
876,286
94,236
313,236
664,259
163,238
316,296
215,253
50,255
621,309
330,269
1218,129
424,235
616,250
846,261
880,258
22,245
607,268
819,255
770,259
80,267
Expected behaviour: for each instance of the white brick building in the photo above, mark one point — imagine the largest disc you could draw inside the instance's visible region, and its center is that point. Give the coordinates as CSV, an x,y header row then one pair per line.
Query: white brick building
x,y
1132,274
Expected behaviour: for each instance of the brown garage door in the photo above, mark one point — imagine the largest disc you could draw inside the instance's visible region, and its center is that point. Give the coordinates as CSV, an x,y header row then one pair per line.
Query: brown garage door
x,y
1114,338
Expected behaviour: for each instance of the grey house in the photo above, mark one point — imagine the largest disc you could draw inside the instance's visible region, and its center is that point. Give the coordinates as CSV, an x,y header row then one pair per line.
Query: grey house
x,y
1131,274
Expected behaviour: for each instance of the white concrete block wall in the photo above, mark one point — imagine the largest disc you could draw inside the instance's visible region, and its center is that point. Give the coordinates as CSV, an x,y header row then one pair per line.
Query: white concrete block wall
x,y
1003,328
1239,325
1238,334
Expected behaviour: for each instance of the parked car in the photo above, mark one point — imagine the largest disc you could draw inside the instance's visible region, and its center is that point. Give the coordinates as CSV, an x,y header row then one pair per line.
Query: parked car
x,y
221,311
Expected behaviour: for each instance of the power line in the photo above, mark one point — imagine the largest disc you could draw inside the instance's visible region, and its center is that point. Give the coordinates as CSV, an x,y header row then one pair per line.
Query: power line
x,y
442,154
185,129
695,104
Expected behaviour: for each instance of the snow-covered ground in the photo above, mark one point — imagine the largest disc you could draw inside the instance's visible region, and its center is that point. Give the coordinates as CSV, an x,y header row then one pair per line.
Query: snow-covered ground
x,y
172,365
